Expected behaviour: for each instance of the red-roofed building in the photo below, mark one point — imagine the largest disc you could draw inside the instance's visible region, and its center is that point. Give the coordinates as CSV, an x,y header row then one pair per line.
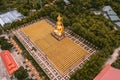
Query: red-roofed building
x,y
108,73
8,61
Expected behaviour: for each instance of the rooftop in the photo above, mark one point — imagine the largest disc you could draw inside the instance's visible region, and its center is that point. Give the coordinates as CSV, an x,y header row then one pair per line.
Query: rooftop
x,y
107,8
114,18
108,73
117,23
112,15
10,16
111,12
67,1
8,61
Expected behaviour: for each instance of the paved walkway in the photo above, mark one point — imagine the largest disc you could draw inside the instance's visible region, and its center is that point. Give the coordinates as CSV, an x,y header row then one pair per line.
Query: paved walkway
x,y
3,72
39,57
114,56
18,58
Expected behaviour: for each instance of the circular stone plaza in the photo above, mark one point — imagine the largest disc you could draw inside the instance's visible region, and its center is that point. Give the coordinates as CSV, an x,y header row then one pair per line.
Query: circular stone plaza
x,y
58,59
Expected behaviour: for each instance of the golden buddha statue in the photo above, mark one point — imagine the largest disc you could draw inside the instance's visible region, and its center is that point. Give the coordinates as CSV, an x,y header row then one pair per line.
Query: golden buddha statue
x,y
59,30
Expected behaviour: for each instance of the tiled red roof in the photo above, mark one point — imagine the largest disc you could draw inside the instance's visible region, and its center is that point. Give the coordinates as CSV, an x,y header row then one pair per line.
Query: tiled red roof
x,y
108,73
8,61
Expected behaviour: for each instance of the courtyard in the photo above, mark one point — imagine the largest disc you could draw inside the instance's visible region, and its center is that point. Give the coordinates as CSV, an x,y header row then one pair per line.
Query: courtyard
x,y
62,54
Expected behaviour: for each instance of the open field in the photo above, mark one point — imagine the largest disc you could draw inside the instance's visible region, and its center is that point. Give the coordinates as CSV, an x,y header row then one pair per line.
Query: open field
x,y
62,54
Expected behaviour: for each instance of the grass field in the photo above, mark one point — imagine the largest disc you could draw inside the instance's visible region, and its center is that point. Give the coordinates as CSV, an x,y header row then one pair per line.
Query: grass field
x,y
62,54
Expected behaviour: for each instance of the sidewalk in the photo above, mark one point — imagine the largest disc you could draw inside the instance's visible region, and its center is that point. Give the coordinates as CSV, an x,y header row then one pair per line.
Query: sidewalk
x,y
113,57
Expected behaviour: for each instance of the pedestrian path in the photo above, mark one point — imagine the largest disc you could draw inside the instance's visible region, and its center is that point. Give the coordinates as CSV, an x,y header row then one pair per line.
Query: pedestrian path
x,y
113,57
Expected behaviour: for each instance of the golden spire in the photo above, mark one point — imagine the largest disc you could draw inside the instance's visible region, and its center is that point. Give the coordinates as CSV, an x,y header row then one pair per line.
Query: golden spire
x,y
59,18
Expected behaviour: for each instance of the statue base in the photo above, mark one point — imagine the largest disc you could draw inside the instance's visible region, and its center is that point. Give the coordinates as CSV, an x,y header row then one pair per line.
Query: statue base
x,y
58,37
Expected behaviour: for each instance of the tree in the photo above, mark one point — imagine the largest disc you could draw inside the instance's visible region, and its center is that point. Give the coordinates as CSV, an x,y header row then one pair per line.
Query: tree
x,y
5,44
21,73
0,30
29,79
